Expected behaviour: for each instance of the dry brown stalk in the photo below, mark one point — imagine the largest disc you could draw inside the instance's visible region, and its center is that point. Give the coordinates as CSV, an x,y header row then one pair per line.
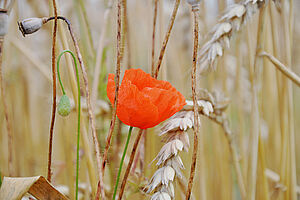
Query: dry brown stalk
x,y
153,37
167,36
117,83
196,114
134,149
282,68
5,108
126,34
54,92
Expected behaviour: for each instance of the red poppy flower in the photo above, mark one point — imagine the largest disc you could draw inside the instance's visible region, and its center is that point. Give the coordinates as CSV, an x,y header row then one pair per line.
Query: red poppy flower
x,y
144,101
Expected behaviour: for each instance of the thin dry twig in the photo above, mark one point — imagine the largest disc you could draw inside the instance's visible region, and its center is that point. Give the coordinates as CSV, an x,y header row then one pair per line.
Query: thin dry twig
x,y
282,68
117,83
167,36
134,148
196,114
153,37
54,92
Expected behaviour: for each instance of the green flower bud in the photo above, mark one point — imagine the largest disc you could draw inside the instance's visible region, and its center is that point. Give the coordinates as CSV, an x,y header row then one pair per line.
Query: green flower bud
x,y
64,106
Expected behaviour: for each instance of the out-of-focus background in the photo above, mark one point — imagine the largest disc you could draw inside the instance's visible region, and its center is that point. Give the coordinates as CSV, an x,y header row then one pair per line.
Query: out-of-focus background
x,y
27,80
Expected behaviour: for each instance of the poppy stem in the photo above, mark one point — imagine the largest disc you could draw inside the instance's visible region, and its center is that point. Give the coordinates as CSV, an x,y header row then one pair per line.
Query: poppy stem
x,y
195,11
79,106
121,163
49,173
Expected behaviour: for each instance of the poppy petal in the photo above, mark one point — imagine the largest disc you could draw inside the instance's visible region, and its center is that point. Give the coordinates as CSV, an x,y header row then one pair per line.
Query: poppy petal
x,y
167,102
134,109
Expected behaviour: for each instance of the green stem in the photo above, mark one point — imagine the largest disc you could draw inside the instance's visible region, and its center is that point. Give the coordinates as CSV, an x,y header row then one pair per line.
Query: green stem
x,y
121,163
79,107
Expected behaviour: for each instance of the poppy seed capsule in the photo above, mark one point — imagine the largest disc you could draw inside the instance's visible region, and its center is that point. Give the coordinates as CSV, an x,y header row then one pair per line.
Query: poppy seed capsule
x,y
31,25
64,106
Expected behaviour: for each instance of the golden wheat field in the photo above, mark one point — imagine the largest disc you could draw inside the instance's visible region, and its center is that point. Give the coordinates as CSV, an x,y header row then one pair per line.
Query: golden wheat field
x,y
149,99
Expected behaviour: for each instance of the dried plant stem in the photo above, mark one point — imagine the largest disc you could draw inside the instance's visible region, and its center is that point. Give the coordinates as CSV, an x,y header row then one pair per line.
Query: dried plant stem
x,y
54,92
90,111
167,36
196,114
254,139
134,148
153,37
282,68
117,83
5,108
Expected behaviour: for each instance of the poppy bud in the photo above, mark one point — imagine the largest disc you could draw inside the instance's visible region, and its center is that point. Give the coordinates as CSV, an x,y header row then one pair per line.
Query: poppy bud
x,y
31,25
3,22
64,106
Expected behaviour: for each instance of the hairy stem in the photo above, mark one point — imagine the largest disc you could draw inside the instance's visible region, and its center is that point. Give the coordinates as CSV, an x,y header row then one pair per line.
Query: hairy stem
x,y
117,83
196,114
54,93
153,37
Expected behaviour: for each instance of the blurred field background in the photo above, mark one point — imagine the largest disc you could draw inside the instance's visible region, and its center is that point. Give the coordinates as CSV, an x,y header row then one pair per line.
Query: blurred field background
x,y
28,92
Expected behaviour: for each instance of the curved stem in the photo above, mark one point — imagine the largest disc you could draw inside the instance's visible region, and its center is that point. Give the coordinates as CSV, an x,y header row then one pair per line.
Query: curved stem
x,y
121,163
90,110
79,106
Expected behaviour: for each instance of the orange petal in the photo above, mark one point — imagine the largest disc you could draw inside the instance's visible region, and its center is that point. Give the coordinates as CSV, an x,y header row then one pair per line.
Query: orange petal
x,y
134,109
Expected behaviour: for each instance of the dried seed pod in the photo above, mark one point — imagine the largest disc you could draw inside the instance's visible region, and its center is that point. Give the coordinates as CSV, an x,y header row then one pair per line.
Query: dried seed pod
x,y
31,25
64,106
3,22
